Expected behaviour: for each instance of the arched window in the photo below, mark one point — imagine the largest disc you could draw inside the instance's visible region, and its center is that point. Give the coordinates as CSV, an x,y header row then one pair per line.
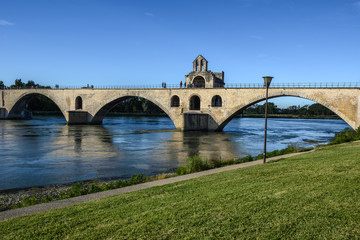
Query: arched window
x,y
175,101
199,82
194,103
216,101
201,65
78,103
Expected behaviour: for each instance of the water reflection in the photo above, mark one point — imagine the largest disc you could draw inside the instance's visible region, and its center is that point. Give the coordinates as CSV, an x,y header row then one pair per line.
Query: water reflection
x,y
85,142
209,145
47,151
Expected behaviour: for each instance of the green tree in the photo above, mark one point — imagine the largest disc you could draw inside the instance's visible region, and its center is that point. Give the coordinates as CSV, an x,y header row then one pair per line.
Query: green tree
x,y
318,109
30,84
2,85
303,111
18,84
144,105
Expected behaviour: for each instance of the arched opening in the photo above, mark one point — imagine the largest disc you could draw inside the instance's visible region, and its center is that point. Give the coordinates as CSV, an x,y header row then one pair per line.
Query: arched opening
x,y
34,104
130,107
216,101
175,101
292,121
199,82
78,103
201,65
195,103
286,106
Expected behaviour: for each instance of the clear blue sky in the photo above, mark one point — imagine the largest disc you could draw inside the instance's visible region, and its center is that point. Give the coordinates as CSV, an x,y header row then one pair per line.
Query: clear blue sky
x,y
79,42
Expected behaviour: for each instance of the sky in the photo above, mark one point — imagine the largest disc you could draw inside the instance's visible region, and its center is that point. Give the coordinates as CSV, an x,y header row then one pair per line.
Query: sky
x,y
123,42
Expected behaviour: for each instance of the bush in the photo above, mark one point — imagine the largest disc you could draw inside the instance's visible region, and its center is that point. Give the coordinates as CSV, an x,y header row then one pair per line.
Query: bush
x,y
193,164
346,135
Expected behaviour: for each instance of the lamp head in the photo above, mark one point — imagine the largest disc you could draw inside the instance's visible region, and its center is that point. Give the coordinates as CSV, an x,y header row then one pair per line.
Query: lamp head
x,y
267,81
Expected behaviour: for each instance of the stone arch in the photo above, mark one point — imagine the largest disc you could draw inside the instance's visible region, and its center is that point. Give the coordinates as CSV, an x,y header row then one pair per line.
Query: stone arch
x,y
78,103
199,82
216,101
175,101
17,109
101,111
194,103
224,121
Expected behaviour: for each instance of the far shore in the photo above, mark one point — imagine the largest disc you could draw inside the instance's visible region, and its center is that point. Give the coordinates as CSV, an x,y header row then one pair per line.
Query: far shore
x,y
114,114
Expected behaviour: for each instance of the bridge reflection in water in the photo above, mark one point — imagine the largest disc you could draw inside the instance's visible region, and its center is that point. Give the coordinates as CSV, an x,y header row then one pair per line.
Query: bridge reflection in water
x,y
46,151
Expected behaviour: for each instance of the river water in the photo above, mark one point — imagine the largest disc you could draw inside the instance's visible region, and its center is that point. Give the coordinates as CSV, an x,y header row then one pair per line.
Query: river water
x,y
45,150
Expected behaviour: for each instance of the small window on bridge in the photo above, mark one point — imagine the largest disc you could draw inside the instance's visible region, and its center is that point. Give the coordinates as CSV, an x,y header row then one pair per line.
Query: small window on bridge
x,y
216,101
78,103
175,101
194,103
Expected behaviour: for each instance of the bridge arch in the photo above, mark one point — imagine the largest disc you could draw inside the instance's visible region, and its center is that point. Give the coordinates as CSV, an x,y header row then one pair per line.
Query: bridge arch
x,y
103,109
234,111
20,104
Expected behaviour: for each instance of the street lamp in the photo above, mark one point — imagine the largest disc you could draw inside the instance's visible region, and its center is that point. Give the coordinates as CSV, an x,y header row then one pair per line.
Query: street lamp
x,y
267,81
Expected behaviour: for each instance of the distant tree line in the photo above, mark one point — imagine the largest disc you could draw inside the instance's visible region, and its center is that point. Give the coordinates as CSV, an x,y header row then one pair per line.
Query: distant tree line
x,y
315,109
20,84
137,105
130,105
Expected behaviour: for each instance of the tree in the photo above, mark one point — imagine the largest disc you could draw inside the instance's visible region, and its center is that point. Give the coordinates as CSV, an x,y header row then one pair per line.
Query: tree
x,y
260,109
18,84
318,109
303,111
2,85
30,84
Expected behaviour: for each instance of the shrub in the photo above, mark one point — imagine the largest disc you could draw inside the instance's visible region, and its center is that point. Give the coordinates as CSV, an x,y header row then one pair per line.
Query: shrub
x,y
193,164
346,135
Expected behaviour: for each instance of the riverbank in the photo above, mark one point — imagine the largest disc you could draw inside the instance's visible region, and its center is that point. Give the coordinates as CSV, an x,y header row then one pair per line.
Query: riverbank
x,y
313,195
289,116
115,114
17,198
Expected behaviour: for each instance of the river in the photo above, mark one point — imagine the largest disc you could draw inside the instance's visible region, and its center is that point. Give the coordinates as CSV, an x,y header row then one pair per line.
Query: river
x,y
45,150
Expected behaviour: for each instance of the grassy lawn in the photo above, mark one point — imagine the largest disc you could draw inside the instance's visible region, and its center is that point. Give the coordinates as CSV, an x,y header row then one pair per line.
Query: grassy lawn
x,y
316,195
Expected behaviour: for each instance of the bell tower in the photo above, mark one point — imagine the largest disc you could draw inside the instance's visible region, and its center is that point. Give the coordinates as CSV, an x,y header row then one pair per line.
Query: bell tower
x,y
201,77
200,64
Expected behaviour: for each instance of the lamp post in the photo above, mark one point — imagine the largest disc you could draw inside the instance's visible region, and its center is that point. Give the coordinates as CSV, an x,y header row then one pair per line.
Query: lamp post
x,y
267,81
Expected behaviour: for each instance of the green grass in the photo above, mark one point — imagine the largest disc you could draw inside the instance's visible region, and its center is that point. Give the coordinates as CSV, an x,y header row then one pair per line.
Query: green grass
x,y
316,195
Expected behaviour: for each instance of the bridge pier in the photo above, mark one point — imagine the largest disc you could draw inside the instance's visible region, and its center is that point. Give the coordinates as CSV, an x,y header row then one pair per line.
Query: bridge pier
x,y
3,113
79,117
199,122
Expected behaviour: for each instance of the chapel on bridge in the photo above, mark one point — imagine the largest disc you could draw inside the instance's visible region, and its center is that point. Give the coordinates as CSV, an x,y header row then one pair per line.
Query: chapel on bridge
x,y
201,77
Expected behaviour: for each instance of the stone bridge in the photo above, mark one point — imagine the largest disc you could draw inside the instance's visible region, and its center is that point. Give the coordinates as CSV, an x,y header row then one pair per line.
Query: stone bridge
x,y
207,109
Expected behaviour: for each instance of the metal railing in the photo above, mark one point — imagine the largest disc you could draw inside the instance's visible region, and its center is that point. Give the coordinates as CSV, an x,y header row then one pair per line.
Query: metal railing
x,y
296,85
227,85
231,85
